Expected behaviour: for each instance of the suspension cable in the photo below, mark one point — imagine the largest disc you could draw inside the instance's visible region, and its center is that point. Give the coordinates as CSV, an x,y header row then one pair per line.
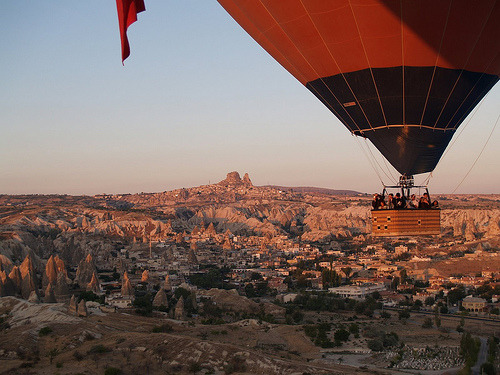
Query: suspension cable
x,y
475,161
462,128
393,179
376,161
370,161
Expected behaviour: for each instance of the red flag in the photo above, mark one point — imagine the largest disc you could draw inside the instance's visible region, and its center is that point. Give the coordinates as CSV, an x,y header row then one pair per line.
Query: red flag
x,y
127,15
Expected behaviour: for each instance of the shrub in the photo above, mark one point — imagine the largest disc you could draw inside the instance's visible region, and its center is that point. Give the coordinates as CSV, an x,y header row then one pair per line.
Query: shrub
x,y
112,371
404,314
427,323
376,345
341,335
44,331
99,349
385,315
78,356
164,328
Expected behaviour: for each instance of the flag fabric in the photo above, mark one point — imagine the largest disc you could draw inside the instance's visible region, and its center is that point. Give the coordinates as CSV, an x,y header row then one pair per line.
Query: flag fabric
x,y
127,15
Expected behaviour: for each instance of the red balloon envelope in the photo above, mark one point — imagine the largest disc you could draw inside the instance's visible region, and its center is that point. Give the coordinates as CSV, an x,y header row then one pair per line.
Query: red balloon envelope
x,y
402,73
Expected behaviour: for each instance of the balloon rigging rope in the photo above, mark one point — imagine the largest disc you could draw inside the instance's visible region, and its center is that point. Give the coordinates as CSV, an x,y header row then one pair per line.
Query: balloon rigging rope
x,y
394,180
462,128
475,161
371,162
391,177
375,159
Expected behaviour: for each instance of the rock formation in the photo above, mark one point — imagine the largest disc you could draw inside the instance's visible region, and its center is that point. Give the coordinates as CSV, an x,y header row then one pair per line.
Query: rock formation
x,y
34,298
232,179
85,271
470,230
210,231
246,180
179,313
61,289
5,263
82,308
15,276
27,267
160,299
7,287
72,307
167,285
192,259
196,231
127,289
49,295
227,244
93,285
28,285
50,274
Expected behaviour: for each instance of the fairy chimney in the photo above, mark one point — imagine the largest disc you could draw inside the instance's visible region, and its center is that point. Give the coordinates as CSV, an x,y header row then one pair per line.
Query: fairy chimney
x,y
160,299
82,308
15,276
179,313
167,285
49,295
85,271
28,285
72,307
50,274
127,289
61,289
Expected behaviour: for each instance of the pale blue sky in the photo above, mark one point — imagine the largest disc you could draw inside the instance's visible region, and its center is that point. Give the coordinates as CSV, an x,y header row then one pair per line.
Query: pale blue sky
x,y
196,99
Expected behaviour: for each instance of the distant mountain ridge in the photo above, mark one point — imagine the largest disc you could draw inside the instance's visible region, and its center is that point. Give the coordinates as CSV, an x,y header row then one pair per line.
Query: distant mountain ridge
x,y
316,190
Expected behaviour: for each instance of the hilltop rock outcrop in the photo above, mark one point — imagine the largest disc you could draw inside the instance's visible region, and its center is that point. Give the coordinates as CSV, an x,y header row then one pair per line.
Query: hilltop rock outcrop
x,y
234,179
246,180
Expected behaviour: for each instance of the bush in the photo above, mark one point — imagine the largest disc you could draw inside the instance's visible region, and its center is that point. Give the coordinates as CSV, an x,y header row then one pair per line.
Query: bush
x,y
164,328
44,331
427,323
404,314
376,345
112,371
78,356
99,349
353,328
341,335
385,315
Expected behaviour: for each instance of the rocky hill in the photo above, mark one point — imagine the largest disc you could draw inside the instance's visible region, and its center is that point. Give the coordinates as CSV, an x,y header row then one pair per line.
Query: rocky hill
x,y
73,226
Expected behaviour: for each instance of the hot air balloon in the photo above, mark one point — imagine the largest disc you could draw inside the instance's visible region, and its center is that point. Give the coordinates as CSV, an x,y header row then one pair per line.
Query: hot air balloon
x,y
403,74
